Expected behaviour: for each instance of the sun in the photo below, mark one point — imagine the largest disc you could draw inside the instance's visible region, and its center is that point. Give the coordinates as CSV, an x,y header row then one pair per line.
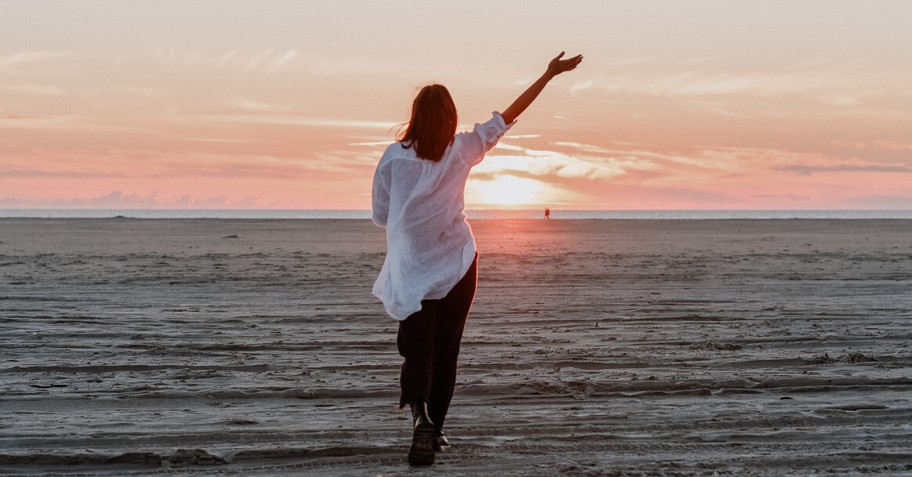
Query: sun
x,y
505,191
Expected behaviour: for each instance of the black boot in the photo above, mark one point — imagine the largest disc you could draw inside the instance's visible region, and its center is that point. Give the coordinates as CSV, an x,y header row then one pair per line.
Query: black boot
x,y
441,443
422,450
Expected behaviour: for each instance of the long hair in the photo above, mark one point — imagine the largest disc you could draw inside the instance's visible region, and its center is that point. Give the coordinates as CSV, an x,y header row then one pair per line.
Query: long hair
x,y
432,126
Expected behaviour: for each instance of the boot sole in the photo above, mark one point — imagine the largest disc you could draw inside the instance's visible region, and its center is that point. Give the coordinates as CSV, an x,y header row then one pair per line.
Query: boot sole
x,y
422,450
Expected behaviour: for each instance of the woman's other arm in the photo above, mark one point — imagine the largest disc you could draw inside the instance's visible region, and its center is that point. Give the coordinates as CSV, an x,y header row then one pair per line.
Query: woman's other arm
x,y
555,67
380,196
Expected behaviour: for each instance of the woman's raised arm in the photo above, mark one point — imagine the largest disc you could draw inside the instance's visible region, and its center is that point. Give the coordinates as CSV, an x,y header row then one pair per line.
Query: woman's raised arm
x,y
555,67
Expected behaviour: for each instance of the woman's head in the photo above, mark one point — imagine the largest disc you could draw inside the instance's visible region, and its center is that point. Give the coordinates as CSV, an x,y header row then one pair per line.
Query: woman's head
x,y
433,123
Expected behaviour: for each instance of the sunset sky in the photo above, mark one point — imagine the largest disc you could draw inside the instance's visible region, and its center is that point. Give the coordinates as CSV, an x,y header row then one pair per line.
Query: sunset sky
x,y
289,104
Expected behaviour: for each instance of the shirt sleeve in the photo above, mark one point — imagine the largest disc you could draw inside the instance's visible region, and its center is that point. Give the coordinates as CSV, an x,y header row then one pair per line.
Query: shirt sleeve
x,y
381,194
484,137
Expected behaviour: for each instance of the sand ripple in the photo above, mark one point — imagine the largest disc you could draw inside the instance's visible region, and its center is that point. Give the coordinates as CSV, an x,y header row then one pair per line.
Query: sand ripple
x,y
594,348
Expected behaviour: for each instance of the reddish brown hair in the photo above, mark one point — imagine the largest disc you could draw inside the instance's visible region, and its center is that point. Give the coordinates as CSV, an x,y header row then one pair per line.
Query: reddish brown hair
x,y
433,123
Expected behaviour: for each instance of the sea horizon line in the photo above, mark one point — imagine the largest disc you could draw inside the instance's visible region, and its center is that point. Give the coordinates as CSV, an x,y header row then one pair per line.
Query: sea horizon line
x,y
555,214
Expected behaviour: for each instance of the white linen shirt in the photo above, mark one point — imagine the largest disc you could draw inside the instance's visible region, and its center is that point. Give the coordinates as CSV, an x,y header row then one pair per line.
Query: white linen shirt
x,y
430,245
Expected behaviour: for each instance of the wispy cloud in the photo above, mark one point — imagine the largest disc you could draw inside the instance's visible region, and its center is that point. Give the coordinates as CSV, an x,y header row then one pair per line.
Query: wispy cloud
x,y
34,173
280,61
122,200
576,88
371,143
839,168
633,153
714,86
255,106
892,146
696,177
227,58
541,162
267,60
253,61
63,122
294,121
35,89
28,57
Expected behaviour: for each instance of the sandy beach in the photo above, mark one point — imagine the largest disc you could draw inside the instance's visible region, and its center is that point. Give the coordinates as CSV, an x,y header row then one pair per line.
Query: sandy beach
x,y
595,348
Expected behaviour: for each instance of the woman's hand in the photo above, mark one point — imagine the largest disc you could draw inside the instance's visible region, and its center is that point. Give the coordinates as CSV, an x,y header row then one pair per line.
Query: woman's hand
x,y
555,67
558,66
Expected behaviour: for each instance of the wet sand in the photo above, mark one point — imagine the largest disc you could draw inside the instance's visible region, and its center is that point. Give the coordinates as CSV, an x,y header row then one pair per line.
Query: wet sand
x,y
595,347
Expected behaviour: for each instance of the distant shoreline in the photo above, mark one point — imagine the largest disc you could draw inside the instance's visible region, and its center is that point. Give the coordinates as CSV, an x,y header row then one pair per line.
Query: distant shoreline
x,y
556,214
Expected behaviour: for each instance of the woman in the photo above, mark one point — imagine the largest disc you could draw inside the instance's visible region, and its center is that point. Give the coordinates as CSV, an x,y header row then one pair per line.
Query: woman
x,y
429,275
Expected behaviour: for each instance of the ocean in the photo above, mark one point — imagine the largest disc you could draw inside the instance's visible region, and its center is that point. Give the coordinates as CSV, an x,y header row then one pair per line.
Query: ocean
x,y
556,214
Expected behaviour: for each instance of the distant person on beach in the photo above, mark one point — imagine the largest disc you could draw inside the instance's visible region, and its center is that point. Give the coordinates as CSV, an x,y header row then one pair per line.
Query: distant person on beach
x,y
547,213
429,276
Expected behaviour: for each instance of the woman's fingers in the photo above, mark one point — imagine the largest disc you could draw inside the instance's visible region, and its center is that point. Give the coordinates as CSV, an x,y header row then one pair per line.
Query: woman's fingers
x,y
558,65
571,63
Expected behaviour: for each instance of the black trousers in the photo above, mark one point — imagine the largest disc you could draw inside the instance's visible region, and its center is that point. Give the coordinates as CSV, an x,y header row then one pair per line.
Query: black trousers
x,y
429,341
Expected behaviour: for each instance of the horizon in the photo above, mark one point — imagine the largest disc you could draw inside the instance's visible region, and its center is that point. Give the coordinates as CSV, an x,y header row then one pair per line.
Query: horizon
x,y
486,209
706,105
472,214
